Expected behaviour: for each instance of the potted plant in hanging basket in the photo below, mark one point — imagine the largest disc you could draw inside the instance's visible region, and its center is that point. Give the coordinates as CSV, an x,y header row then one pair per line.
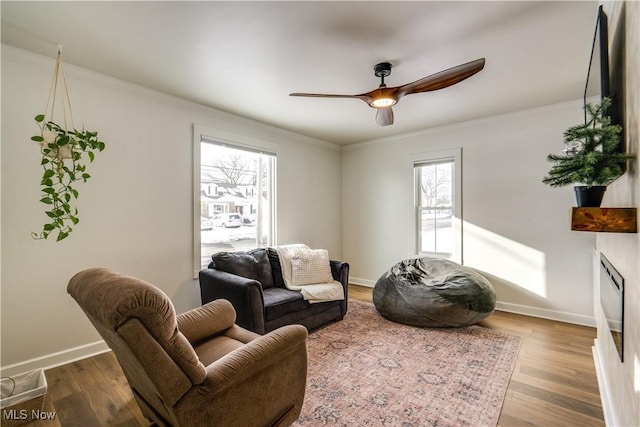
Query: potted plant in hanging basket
x,y
65,154
591,157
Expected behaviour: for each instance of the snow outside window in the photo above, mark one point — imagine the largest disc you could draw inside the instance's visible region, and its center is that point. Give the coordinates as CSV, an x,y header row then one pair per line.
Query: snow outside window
x,y
235,199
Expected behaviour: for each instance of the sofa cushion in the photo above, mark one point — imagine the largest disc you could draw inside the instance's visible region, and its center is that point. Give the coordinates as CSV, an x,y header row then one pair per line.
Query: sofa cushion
x,y
263,267
311,267
285,253
276,268
279,301
253,264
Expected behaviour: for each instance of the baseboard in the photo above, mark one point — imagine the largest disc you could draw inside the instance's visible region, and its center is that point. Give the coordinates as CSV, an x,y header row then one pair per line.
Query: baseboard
x,y
560,316
55,359
605,397
362,282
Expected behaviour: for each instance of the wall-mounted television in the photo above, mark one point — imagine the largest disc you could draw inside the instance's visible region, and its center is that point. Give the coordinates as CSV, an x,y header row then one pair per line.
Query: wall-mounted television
x,y
606,72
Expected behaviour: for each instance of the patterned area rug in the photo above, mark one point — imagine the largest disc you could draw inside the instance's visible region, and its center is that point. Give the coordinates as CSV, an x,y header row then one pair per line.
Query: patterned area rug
x,y
368,371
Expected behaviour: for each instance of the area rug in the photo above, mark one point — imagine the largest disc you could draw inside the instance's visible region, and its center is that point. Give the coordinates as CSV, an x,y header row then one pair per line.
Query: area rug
x,y
368,371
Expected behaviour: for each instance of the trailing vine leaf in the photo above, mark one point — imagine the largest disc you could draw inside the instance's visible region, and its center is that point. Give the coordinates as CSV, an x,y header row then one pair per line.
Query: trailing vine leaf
x,y
63,163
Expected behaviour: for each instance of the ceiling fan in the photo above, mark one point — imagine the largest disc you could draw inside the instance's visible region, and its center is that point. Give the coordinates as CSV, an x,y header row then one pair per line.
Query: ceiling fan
x,y
383,98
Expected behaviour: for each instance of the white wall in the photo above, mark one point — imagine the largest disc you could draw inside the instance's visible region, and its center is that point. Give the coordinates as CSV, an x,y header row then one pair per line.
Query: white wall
x,y
516,230
135,211
620,382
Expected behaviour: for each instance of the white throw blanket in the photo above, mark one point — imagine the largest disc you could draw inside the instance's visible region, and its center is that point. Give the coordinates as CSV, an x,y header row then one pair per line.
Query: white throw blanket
x,y
312,292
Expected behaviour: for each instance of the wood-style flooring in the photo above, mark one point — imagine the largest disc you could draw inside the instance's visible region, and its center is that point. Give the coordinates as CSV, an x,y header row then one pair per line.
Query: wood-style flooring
x,y
553,384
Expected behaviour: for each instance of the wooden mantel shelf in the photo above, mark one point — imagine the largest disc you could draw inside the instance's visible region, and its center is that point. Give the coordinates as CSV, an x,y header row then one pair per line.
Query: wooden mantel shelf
x,y
605,220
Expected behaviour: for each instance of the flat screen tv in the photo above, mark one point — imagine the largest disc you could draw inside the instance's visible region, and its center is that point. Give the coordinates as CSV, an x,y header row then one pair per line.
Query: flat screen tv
x,y
602,79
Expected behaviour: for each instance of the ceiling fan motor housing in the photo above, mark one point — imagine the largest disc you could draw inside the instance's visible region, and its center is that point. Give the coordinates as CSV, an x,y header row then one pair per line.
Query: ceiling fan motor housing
x,y
382,69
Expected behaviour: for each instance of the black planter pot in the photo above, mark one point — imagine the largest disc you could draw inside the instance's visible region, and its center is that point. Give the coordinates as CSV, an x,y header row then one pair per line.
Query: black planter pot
x,y
589,197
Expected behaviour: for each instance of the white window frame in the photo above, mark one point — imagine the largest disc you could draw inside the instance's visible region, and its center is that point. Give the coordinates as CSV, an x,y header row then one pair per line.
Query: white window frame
x,y
203,133
416,159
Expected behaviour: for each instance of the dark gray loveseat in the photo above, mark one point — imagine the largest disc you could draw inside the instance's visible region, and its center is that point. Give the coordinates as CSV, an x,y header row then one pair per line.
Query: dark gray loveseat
x,y
252,282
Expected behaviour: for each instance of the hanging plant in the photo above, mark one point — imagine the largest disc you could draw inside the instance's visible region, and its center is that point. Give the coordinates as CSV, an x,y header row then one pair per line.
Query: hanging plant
x,y
64,161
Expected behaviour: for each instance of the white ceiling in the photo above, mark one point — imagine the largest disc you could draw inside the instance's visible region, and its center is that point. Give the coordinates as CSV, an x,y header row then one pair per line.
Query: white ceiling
x,y
246,57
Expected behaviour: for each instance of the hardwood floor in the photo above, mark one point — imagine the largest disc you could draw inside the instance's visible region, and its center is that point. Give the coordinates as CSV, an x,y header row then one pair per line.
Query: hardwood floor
x,y
553,384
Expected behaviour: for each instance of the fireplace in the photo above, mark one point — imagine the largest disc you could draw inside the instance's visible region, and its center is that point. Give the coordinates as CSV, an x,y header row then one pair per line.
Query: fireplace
x,y
612,301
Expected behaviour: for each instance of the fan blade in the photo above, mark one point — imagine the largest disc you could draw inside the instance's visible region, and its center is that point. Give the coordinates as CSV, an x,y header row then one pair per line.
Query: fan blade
x,y
442,79
384,116
326,95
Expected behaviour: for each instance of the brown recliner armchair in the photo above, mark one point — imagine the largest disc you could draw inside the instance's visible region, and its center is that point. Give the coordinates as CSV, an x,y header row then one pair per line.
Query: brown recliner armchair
x,y
198,368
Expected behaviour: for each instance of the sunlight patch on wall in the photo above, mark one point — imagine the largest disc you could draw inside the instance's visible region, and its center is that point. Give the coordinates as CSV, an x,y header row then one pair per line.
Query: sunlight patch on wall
x,y
505,258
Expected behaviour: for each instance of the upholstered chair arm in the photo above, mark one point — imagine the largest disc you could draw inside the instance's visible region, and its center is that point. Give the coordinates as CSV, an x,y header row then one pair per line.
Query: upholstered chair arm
x,y
235,384
241,334
340,272
244,294
259,354
206,321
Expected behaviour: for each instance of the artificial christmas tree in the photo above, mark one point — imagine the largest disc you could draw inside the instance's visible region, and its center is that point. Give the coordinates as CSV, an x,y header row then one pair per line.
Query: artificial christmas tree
x,y
592,156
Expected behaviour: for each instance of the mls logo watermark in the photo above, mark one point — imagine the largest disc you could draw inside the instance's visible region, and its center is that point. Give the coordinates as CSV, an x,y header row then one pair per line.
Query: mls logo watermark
x,y
24,414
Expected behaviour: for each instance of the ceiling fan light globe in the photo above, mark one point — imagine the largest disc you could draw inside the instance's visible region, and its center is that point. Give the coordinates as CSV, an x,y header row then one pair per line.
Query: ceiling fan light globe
x,y
383,102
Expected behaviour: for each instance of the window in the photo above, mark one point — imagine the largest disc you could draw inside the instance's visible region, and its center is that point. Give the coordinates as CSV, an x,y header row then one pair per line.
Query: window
x,y
235,199
437,204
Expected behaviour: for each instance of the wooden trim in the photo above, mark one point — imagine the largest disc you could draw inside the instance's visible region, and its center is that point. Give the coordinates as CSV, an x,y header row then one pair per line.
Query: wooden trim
x,y
605,220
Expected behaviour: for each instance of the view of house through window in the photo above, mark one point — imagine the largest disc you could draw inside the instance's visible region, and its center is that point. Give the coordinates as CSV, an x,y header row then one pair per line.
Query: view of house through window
x,y
236,199
435,207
